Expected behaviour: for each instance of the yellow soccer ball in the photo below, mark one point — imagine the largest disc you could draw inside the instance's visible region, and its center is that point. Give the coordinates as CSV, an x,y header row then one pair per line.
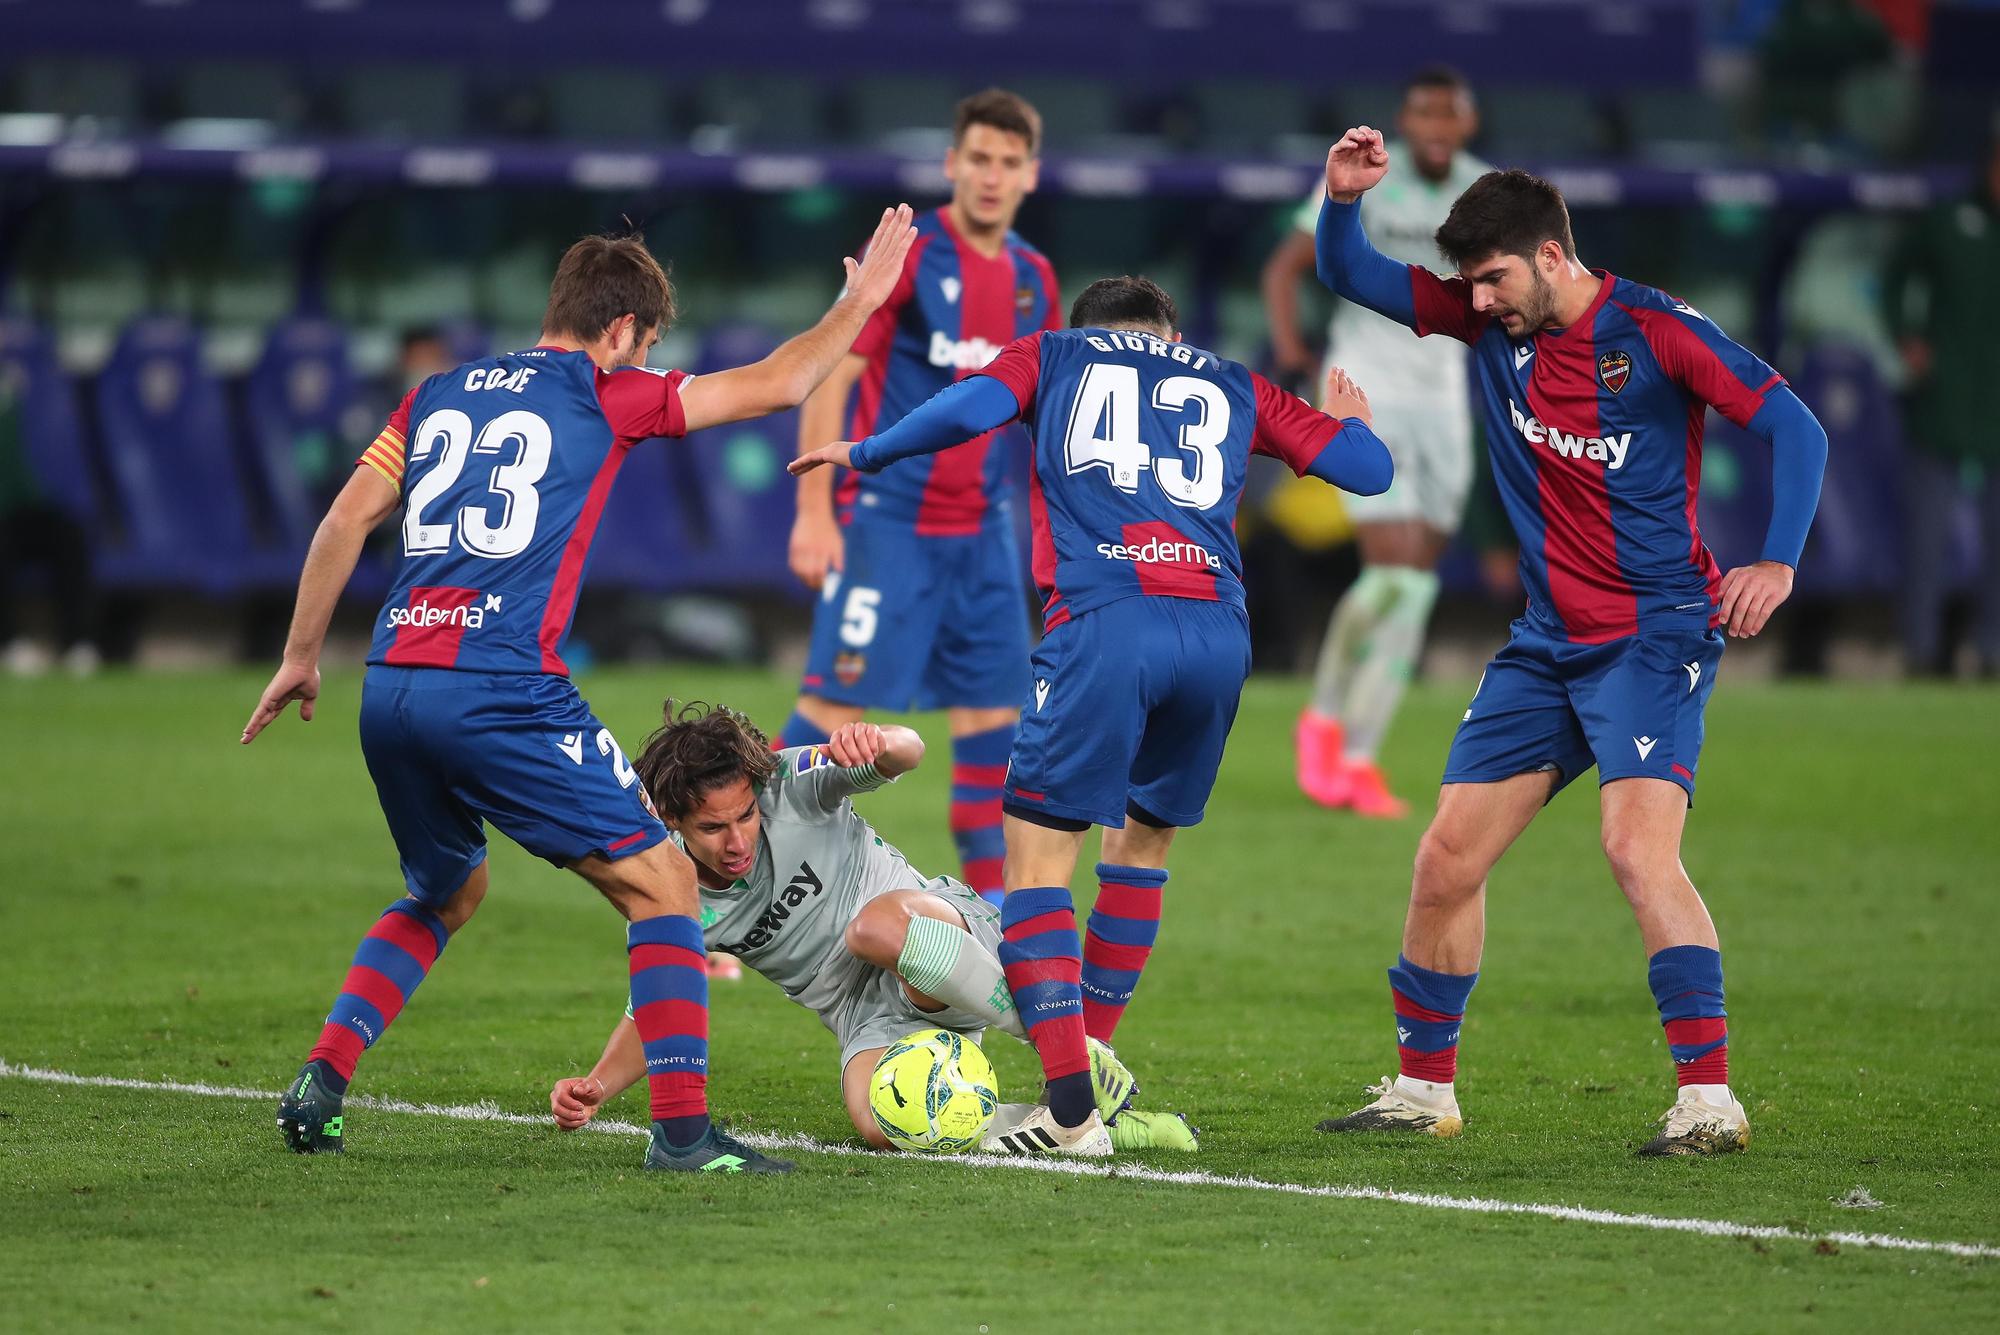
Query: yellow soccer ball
x,y
933,1092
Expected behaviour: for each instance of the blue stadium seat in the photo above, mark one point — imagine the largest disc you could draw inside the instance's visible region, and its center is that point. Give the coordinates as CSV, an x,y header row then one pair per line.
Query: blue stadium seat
x,y
173,471
52,438
293,405
747,496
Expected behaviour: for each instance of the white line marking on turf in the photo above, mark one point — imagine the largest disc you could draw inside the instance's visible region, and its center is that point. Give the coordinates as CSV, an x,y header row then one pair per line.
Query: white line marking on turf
x,y
487,1112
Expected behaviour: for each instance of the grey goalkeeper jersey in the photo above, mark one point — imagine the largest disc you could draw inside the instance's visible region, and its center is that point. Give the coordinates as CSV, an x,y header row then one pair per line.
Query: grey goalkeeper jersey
x,y
818,862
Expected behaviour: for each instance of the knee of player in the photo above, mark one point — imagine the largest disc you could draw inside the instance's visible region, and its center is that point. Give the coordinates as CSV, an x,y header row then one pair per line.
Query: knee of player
x,y
1636,859
876,934
1445,870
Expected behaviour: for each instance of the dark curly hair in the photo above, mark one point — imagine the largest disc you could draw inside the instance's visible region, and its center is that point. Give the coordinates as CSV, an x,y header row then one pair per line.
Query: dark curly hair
x,y
697,749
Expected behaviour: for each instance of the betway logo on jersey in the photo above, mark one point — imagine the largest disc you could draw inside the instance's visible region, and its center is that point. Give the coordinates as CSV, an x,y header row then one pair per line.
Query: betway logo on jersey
x,y
1155,552
805,884
961,354
1607,450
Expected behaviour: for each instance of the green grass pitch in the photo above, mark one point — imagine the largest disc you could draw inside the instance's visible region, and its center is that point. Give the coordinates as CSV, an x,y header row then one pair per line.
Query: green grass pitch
x,y
177,908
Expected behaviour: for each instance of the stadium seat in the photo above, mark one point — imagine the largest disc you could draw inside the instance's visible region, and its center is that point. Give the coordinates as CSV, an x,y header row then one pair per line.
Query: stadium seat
x,y
293,404
52,437
173,473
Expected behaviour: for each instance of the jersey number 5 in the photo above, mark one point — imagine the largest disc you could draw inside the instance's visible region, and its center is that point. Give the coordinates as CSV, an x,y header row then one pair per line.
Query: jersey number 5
x,y
448,432
1104,433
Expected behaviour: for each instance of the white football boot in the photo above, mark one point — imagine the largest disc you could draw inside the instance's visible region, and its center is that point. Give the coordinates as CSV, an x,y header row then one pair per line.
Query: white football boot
x,y
1696,1126
1040,1133
1397,1108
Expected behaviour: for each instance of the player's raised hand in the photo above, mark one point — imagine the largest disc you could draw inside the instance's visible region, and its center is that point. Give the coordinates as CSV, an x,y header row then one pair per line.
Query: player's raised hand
x,y
836,453
575,1101
290,682
871,279
858,743
1344,398
1751,593
1356,162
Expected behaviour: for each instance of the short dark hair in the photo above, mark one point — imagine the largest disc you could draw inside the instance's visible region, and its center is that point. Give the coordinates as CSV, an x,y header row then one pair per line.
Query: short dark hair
x,y
1003,111
698,749
1437,76
602,278
1121,301
1505,213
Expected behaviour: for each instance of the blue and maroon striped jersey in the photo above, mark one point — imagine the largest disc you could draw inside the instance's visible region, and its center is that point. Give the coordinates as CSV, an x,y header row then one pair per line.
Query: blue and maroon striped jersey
x,y
505,464
951,313
1595,432
1140,449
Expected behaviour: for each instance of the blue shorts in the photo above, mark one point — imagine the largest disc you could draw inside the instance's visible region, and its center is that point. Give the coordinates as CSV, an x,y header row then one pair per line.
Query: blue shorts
x,y
1130,706
920,622
1633,707
449,749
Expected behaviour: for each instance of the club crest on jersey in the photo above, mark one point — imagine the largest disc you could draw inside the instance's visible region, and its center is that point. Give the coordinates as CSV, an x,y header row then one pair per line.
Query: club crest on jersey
x,y
1614,368
848,666
1024,299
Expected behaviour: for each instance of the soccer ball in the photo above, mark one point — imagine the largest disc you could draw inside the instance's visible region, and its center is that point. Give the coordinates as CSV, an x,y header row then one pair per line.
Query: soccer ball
x,y
933,1092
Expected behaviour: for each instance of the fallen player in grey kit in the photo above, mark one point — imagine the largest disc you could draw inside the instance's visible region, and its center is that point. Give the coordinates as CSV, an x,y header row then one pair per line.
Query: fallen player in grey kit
x,y
795,883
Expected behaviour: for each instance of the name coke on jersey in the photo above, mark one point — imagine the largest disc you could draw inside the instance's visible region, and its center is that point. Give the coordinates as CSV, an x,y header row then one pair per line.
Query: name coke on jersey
x,y
1112,340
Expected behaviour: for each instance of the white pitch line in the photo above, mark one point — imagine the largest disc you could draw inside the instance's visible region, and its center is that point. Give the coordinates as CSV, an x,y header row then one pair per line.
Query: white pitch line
x,y
487,1112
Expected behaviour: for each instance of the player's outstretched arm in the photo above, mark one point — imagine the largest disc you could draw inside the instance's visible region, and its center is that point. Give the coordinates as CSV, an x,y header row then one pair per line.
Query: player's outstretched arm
x,y
575,1101
1750,594
957,413
784,379
366,500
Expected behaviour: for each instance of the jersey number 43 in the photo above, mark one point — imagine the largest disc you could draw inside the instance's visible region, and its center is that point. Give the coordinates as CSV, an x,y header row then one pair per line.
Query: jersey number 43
x,y
1104,433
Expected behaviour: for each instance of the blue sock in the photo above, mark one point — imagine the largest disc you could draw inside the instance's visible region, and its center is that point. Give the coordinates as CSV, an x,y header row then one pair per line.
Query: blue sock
x,y
978,768
1043,959
1687,985
1430,1009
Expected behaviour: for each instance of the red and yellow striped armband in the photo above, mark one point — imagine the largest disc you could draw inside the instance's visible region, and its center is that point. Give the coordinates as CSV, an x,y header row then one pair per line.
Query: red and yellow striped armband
x,y
385,456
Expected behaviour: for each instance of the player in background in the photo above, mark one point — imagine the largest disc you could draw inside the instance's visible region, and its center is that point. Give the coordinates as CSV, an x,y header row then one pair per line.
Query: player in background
x,y
1594,390
797,884
919,572
501,468
1140,447
1418,391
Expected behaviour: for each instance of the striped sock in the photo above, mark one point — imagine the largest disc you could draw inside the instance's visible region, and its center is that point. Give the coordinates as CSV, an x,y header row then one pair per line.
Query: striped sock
x,y
978,769
670,1006
1687,983
1123,925
392,959
798,731
1430,1008
1043,960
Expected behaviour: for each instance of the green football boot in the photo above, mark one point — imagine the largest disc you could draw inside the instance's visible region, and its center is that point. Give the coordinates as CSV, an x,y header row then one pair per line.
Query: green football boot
x,y
309,1113
715,1152
1110,1080
1136,1129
